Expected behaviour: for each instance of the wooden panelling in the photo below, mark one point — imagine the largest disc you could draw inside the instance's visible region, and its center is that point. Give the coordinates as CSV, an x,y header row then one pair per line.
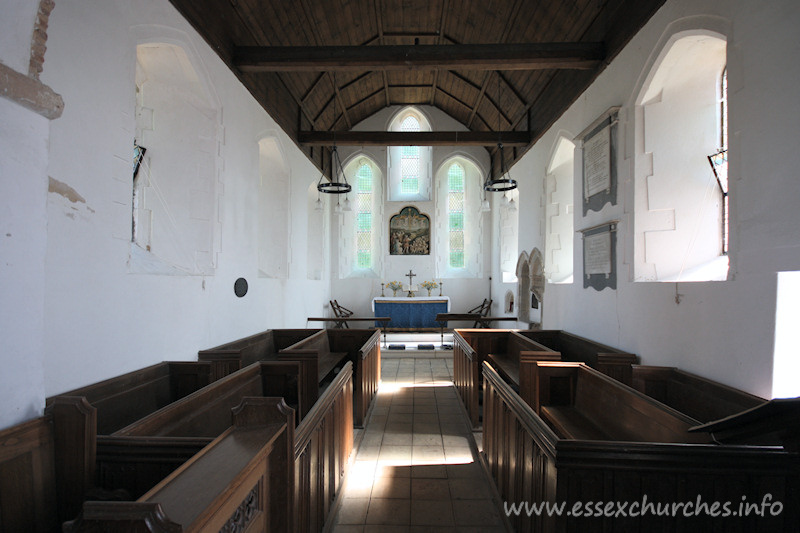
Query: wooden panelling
x,y
27,478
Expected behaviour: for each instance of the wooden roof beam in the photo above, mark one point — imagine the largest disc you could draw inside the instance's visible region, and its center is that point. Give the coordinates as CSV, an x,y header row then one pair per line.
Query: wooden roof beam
x,y
421,138
531,56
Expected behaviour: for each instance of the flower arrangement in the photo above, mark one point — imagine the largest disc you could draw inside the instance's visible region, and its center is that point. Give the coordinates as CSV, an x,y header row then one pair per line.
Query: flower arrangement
x,y
429,285
395,286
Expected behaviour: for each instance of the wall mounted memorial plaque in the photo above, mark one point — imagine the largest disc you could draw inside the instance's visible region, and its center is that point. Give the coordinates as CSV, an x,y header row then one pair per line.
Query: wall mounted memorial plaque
x,y
599,145
600,256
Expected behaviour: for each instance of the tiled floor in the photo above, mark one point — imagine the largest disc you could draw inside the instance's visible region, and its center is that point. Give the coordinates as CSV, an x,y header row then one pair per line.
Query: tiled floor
x,y
416,468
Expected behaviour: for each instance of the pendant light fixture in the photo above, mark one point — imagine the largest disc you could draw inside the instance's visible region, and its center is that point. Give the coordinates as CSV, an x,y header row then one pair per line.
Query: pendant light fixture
x,y
504,182
338,182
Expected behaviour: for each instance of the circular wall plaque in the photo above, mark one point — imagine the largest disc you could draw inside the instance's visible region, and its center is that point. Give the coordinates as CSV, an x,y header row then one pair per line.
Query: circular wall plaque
x,y
240,287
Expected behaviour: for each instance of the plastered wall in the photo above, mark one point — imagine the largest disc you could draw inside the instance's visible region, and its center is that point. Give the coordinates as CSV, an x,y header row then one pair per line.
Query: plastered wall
x,y
721,330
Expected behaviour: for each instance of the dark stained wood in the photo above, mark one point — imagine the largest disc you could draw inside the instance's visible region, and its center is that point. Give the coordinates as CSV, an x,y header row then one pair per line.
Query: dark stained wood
x,y
516,56
124,399
610,361
28,500
701,398
264,346
246,470
531,462
523,99
471,347
74,434
322,446
776,422
405,138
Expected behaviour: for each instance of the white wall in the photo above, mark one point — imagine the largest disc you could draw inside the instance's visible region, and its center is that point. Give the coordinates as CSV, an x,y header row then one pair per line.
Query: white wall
x,y
103,318
16,32
721,330
23,241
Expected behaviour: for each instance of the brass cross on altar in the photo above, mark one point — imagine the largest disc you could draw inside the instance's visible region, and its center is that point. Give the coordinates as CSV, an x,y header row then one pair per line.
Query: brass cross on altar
x,y
410,277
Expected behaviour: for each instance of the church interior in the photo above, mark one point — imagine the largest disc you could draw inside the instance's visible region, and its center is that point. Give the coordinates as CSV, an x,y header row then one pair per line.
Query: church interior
x,y
558,209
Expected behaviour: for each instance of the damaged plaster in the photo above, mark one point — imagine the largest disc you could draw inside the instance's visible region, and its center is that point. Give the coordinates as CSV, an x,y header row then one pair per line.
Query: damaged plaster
x,y
65,190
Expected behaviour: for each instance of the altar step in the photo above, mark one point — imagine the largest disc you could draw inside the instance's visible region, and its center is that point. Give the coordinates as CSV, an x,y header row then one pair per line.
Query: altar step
x,y
417,345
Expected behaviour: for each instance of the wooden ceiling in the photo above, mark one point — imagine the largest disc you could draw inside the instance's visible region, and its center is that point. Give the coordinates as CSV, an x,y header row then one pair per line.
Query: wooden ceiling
x,y
318,66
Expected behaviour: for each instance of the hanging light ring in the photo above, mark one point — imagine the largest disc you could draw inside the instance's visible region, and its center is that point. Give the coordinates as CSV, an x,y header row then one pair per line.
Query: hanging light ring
x,y
500,185
334,187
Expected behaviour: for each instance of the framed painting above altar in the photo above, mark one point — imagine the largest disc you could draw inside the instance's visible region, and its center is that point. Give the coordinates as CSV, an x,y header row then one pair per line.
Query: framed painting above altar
x,y
410,232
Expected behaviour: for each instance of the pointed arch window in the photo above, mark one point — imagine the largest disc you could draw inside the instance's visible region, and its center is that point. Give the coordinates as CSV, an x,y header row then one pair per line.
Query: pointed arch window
x,y
409,160
409,168
455,215
364,226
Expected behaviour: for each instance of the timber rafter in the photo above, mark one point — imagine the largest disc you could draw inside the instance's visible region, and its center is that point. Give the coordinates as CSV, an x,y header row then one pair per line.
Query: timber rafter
x,y
529,56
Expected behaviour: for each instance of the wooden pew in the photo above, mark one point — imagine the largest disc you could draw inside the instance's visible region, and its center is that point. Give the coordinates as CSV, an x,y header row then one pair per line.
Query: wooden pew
x,y
235,355
242,480
46,466
473,346
364,350
608,360
329,349
322,447
581,403
702,399
625,449
234,475
137,456
124,399
311,347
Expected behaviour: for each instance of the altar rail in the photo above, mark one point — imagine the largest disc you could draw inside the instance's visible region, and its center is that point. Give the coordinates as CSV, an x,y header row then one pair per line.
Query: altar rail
x,y
530,463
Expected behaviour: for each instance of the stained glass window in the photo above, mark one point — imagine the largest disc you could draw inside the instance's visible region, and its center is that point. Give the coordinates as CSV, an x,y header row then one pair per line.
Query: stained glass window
x,y
455,213
409,160
364,217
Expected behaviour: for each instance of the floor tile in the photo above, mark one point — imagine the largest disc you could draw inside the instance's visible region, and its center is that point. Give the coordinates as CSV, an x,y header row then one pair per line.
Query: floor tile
x,y
416,468
385,511
431,513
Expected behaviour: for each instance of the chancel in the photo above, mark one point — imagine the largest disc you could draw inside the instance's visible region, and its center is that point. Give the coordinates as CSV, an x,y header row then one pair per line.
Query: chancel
x,y
204,204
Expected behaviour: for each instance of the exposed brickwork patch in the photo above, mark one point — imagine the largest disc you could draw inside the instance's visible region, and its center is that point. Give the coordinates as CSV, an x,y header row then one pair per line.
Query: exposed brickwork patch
x,y
39,40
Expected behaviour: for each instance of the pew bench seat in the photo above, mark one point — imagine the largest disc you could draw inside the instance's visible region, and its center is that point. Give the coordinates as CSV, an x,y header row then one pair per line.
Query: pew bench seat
x,y
507,365
329,361
569,423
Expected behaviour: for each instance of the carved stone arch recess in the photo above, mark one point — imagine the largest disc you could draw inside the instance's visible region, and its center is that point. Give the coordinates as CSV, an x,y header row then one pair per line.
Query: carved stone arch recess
x,y
536,264
509,302
523,272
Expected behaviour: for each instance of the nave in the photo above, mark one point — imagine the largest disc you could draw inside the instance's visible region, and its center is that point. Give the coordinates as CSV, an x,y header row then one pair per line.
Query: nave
x,y
417,468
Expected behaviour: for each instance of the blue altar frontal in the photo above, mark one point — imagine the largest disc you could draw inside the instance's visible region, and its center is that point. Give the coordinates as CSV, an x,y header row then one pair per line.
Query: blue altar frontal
x,y
415,312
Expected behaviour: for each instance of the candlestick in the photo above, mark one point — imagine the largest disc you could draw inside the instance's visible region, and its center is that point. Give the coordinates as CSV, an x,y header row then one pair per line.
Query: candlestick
x,y
440,287
382,290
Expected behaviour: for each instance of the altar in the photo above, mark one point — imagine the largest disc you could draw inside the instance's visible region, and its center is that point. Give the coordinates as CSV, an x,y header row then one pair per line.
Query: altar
x,y
414,312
